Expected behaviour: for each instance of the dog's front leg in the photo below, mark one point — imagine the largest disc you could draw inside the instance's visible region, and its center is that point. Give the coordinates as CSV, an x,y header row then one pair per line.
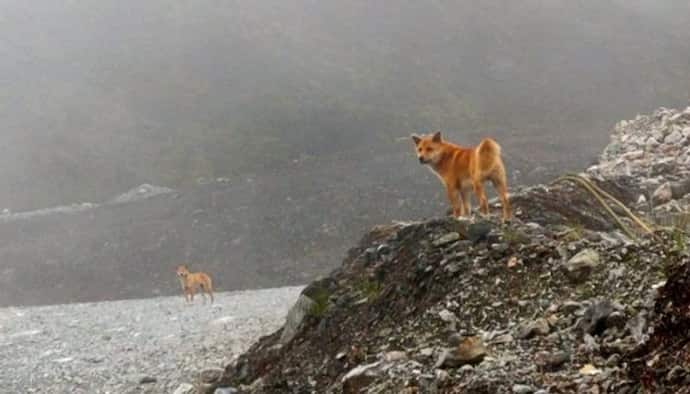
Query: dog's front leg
x,y
466,202
452,192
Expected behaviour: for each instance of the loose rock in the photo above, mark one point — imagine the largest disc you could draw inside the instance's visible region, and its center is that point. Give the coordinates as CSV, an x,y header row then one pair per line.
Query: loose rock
x,y
580,266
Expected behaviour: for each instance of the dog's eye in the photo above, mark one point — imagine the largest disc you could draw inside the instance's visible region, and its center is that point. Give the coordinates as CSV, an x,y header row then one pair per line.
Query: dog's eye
x,y
428,149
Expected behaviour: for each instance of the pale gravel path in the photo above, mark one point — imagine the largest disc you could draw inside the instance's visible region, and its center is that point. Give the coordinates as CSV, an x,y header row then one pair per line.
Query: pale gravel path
x,y
108,347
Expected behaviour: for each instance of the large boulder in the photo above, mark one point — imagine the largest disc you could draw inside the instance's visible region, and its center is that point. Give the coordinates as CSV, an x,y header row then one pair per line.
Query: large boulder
x,y
313,296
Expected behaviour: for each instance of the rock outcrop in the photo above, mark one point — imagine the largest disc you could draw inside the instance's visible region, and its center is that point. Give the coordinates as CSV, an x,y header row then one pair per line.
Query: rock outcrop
x,y
654,151
557,300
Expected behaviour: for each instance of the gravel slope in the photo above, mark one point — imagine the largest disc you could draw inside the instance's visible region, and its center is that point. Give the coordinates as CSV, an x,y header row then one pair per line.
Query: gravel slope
x,y
109,347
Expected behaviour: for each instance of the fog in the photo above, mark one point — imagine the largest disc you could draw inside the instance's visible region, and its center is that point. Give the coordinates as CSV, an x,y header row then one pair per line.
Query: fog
x,y
304,107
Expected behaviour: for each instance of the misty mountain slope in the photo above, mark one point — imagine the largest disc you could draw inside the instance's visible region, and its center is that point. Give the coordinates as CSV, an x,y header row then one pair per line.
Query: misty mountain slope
x,y
280,229
305,107
101,96
244,231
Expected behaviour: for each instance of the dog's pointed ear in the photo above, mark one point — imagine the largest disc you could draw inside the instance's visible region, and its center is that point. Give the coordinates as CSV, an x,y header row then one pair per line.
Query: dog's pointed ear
x,y
436,137
415,138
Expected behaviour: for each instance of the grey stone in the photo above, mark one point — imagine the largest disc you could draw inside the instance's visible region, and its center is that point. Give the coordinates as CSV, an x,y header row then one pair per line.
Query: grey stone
x,y
295,316
569,307
185,388
686,132
383,249
613,360
453,267
674,138
426,353
360,377
441,375
580,266
638,327
478,231
211,375
539,327
226,390
447,316
594,320
470,351
446,239
395,356
590,344
522,389
616,319
552,361
506,338
676,373
147,380
662,194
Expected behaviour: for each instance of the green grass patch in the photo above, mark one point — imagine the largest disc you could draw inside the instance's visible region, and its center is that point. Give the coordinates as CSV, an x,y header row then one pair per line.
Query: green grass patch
x,y
368,288
321,303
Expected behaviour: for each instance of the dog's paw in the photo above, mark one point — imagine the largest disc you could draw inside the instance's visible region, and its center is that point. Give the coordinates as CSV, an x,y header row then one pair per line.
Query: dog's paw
x,y
462,218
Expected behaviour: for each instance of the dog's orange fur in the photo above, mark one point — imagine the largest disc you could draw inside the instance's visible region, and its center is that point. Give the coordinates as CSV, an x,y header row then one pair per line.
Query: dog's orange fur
x,y
461,169
190,281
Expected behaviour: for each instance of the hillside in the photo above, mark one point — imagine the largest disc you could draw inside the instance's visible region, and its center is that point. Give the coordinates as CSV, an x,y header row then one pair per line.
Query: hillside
x,y
248,232
282,126
259,232
561,299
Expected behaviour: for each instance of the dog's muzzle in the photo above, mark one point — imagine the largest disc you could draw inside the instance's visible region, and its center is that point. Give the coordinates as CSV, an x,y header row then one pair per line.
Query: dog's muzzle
x,y
422,161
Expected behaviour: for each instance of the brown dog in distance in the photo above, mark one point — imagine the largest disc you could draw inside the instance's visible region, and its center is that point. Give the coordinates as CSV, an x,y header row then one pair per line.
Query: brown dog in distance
x,y
190,281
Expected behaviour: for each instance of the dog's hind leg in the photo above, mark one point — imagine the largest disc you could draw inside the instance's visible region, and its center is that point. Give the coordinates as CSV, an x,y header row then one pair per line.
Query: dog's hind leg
x,y
498,178
466,202
481,196
208,288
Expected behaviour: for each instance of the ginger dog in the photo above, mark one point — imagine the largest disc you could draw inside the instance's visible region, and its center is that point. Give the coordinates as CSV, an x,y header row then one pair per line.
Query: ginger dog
x,y
190,281
461,169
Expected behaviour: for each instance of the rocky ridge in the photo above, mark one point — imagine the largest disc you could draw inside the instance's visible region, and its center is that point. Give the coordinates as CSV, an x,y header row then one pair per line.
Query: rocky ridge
x,y
556,301
652,150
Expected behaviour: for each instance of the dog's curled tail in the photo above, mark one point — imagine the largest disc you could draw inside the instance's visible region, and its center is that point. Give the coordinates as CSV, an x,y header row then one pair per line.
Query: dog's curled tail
x,y
489,153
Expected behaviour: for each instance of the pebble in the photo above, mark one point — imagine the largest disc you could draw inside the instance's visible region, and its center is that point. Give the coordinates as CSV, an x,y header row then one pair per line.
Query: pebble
x,y
185,388
522,389
446,239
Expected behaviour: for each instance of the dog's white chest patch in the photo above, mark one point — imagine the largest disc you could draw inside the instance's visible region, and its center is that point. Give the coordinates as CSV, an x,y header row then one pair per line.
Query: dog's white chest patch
x,y
435,173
